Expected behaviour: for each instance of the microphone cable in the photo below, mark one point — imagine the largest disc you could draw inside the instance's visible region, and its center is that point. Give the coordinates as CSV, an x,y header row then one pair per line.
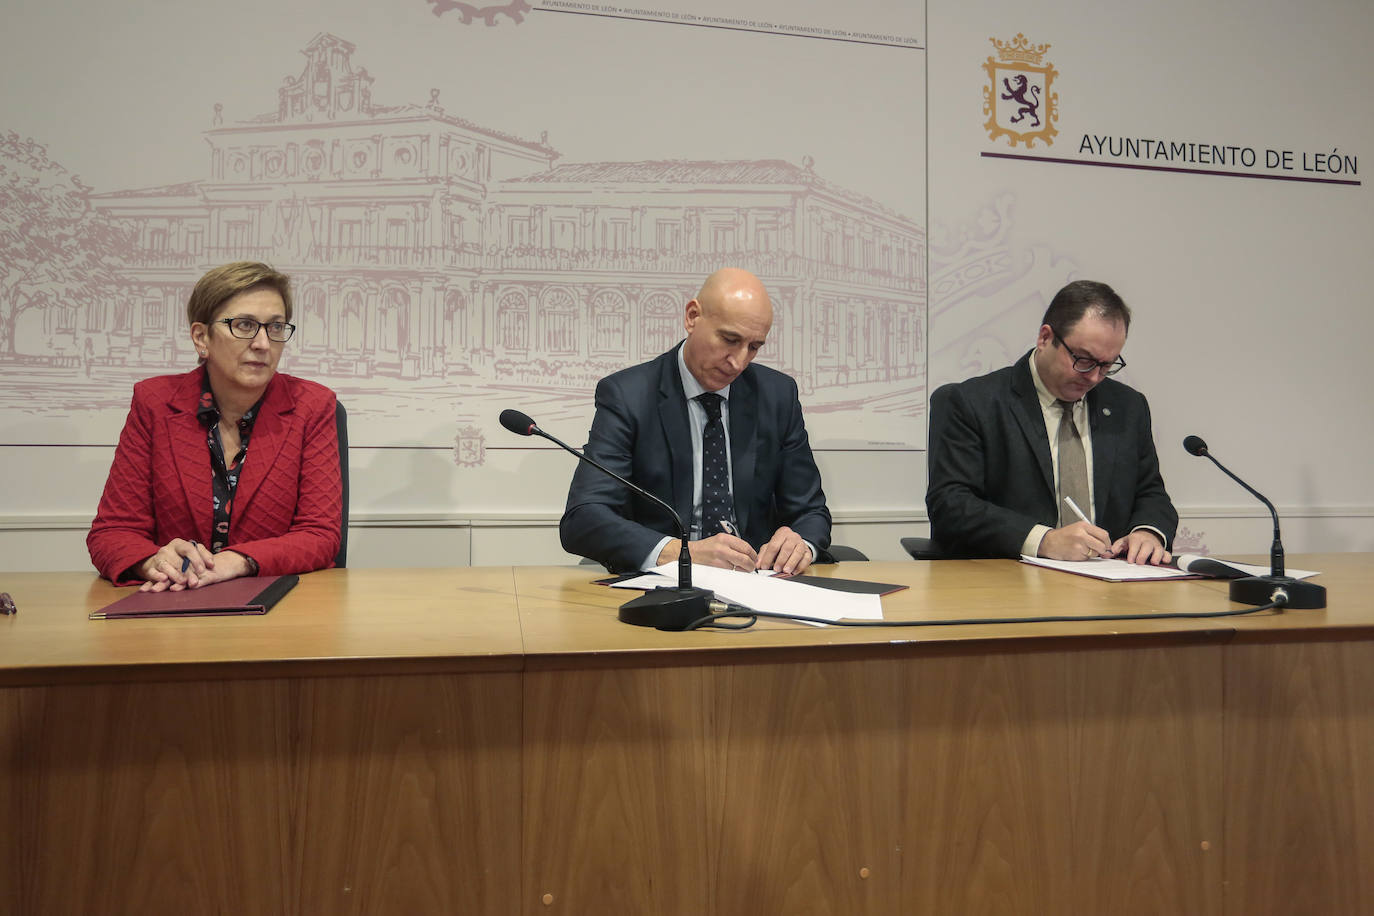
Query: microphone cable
x,y
1279,601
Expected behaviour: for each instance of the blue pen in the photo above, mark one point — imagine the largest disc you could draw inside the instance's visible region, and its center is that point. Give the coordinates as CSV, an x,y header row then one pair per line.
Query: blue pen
x,y
186,559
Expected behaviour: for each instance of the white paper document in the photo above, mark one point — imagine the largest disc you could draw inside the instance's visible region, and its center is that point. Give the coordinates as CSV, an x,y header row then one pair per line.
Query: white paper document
x,y
768,593
1114,570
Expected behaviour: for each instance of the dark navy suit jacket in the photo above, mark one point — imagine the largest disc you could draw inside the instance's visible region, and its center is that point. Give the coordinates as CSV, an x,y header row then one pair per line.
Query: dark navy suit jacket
x,y
990,474
641,432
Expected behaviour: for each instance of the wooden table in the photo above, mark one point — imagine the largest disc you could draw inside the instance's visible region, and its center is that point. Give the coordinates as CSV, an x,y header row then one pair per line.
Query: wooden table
x,y
492,740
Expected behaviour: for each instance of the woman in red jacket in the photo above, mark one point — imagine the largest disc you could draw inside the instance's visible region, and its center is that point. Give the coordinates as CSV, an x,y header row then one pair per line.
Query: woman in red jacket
x,y
230,469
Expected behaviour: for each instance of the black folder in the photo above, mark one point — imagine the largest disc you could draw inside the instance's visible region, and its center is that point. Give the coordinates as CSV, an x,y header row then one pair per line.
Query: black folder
x,y
248,595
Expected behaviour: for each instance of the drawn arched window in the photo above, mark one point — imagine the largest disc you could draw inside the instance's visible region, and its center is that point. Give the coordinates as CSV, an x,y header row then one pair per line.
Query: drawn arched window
x,y
779,348
122,311
874,338
887,327
455,322
393,331
352,317
659,322
610,324
558,317
513,321
828,335
312,333
153,315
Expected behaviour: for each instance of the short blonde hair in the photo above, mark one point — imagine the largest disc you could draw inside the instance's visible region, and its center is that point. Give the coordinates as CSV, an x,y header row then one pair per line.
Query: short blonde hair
x,y
220,284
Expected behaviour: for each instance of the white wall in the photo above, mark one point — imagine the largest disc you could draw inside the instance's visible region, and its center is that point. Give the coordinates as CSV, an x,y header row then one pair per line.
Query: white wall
x,y
1252,312
1252,308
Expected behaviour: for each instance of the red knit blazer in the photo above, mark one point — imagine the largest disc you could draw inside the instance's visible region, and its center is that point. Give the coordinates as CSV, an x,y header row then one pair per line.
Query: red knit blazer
x,y
288,504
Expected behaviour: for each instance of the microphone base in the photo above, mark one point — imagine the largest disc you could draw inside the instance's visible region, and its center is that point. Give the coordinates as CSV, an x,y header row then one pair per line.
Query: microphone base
x,y
669,608
1260,590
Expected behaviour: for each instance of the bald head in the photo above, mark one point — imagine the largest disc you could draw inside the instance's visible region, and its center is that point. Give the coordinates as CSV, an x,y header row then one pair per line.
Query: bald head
x,y
733,288
726,324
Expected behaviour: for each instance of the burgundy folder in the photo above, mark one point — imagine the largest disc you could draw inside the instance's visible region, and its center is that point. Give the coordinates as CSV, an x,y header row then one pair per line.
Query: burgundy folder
x,y
248,595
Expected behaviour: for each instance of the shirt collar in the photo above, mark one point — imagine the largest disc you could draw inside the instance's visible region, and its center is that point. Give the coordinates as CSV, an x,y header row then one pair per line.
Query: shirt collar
x,y
690,386
1047,399
207,411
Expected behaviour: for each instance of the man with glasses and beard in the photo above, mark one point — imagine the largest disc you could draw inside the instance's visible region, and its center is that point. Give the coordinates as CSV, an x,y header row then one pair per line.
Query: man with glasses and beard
x,y
1051,457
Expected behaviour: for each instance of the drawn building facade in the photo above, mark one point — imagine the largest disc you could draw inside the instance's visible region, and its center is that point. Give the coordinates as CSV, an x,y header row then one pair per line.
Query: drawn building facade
x,y
423,245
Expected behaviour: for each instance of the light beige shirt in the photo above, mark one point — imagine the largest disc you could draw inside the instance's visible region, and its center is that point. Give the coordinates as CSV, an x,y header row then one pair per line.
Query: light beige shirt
x,y
1050,408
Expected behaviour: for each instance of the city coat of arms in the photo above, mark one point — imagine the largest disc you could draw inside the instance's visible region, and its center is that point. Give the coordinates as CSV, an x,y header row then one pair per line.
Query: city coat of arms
x,y
1018,100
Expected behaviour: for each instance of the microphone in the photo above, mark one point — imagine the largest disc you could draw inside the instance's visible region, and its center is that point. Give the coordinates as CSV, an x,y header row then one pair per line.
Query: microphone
x,y
1276,586
1194,445
663,608
1205,566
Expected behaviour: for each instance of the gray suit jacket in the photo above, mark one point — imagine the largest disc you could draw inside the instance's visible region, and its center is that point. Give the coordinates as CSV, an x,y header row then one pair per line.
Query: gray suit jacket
x,y
641,432
990,474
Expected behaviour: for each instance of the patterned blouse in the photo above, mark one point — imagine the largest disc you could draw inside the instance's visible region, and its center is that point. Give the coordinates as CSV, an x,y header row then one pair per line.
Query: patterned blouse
x,y
226,474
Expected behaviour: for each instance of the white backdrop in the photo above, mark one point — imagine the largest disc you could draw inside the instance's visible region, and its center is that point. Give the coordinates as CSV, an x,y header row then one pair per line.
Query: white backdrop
x,y
1252,308
1252,319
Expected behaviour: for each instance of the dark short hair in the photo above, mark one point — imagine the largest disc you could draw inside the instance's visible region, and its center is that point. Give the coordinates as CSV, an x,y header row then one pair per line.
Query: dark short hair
x,y
1079,298
220,284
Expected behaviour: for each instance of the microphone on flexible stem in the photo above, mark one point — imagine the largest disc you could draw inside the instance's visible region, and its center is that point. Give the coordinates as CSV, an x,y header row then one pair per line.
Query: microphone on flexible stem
x,y
1276,586
663,608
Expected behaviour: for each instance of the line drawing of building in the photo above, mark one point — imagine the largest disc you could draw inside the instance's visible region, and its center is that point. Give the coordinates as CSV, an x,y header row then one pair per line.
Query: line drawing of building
x,y
428,249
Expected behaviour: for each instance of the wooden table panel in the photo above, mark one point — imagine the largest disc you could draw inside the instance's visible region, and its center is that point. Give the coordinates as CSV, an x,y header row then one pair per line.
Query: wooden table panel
x,y
700,790
1146,779
1064,782
1300,778
359,795
986,813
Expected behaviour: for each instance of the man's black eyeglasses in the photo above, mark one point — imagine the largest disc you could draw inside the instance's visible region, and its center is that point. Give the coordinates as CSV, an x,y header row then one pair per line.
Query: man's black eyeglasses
x,y
1086,364
247,328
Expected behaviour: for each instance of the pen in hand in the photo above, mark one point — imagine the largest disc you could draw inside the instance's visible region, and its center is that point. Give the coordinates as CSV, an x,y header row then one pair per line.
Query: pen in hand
x,y
186,558
729,528
1076,511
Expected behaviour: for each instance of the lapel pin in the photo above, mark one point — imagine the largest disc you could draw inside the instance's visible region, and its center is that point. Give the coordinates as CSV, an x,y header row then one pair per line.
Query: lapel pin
x,y
1106,411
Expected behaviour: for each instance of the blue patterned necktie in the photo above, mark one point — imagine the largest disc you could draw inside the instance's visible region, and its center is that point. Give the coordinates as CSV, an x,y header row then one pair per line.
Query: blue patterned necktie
x,y
715,469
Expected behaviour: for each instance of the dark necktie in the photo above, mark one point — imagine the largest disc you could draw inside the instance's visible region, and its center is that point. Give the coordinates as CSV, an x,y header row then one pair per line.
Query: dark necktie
x,y
1073,467
715,469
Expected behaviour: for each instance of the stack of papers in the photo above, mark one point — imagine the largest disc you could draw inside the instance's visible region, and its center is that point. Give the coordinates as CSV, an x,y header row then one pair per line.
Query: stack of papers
x,y
767,593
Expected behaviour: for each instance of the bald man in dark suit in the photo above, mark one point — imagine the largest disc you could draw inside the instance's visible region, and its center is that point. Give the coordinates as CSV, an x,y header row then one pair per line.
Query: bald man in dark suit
x,y
652,426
